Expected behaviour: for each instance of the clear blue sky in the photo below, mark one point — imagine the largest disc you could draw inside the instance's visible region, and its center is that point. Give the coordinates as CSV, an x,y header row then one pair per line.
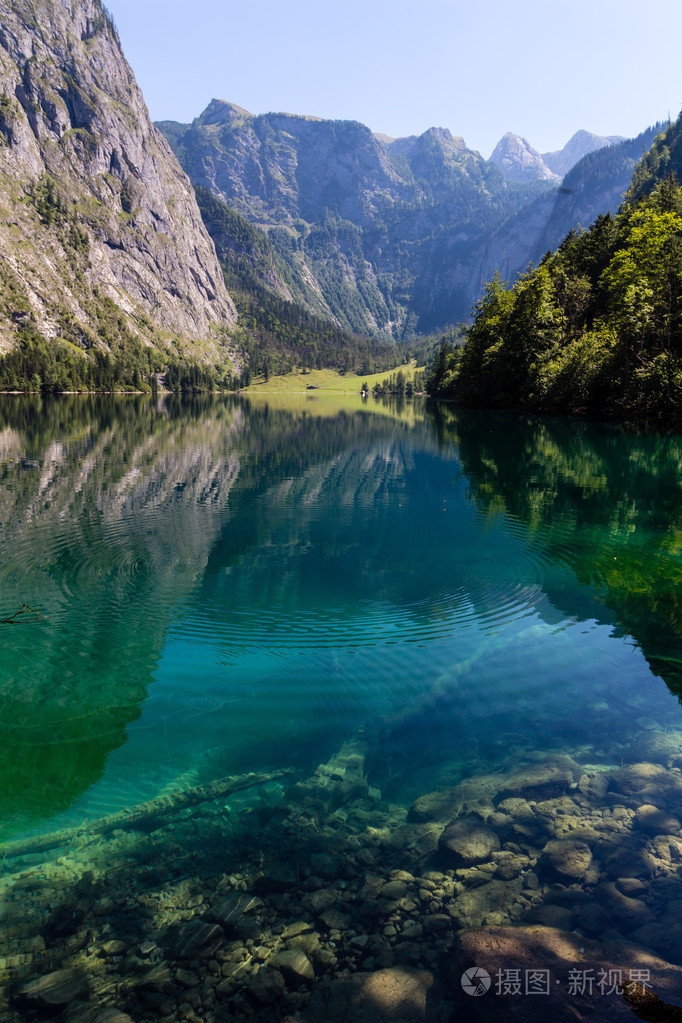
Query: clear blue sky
x,y
540,68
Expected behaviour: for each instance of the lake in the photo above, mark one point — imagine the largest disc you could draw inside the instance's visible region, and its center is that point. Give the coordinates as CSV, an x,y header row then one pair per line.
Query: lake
x,y
447,642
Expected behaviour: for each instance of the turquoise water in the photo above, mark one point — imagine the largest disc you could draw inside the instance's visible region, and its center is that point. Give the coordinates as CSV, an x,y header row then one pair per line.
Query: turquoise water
x,y
221,586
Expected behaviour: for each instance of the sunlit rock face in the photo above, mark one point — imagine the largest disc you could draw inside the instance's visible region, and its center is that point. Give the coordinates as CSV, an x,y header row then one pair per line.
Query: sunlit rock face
x,y
93,204
518,161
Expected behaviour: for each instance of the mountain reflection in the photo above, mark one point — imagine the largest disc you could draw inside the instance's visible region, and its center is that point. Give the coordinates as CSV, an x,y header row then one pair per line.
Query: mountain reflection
x,y
108,509
283,575
109,512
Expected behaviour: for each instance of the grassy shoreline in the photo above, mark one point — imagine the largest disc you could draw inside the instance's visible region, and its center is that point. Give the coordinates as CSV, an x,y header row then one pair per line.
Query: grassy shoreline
x,y
326,380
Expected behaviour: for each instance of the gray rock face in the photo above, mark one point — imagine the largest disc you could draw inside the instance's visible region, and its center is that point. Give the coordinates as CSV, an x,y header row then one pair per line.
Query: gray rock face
x,y
286,166
93,204
518,161
392,236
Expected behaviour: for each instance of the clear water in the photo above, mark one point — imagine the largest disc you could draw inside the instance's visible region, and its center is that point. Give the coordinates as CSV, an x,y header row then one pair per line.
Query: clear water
x,y
222,585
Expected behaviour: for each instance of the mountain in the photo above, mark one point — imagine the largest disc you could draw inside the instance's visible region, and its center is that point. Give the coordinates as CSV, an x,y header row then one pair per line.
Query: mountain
x,y
597,184
109,274
518,161
395,237
101,239
596,325
583,142
358,218
277,333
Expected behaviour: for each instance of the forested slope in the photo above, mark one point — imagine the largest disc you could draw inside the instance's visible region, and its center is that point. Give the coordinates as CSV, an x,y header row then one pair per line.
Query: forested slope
x,y
598,324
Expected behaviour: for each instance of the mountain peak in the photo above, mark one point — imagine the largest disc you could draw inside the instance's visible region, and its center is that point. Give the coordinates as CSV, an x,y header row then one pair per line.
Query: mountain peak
x,y
219,111
580,144
518,161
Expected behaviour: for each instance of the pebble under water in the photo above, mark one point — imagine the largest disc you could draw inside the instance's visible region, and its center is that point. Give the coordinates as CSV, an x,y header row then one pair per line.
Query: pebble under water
x,y
311,714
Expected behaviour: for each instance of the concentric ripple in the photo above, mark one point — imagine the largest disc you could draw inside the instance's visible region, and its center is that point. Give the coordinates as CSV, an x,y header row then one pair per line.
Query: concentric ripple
x,y
219,592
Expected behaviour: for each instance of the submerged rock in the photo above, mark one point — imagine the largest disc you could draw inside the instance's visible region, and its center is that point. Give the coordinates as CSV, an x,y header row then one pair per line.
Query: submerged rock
x,y
594,784
198,939
594,919
627,912
268,986
468,841
488,903
647,779
276,878
385,996
393,890
554,953
653,821
53,991
566,860
545,779
229,912
112,1016
436,806
295,967
663,747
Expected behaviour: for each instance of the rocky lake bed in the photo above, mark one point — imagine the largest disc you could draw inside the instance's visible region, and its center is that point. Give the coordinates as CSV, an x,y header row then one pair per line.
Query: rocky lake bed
x,y
317,900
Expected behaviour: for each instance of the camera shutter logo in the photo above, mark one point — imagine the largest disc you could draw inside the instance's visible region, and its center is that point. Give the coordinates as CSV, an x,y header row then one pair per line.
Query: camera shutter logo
x,y
476,981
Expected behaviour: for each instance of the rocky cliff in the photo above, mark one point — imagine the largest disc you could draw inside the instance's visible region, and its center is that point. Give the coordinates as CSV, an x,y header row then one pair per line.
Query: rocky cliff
x,y
98,223
518,161
596,184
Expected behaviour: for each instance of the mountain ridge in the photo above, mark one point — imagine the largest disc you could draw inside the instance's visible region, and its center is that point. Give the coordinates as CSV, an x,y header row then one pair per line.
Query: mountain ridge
x,y
355,216
394,237
561,161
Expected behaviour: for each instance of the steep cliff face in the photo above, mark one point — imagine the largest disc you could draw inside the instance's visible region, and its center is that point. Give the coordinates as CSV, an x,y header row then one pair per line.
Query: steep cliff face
x,y
281,166
596,184
94,208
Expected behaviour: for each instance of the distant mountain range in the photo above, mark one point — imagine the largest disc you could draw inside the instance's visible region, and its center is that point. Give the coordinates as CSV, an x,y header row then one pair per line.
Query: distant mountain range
x,y
396,237
109,268
518,161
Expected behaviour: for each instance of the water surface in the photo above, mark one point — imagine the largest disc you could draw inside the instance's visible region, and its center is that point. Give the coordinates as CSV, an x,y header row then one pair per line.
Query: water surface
x,y
223,586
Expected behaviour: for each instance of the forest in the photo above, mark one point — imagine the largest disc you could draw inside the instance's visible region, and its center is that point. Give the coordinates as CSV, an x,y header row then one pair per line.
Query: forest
x,y
596,326
276,335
